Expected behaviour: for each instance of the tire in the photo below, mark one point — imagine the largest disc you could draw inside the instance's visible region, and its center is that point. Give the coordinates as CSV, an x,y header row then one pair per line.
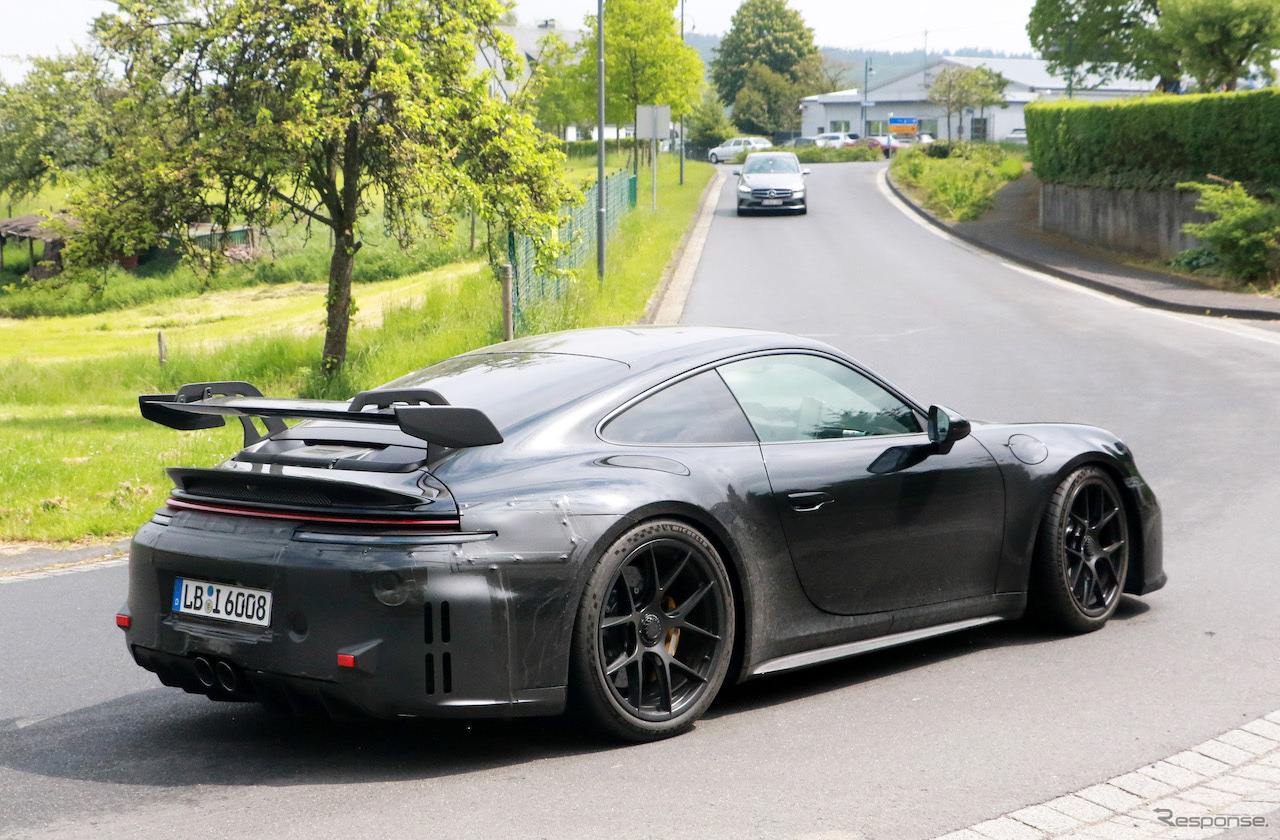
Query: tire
x,y
713,158
1081,554
804,209
654,633
742,211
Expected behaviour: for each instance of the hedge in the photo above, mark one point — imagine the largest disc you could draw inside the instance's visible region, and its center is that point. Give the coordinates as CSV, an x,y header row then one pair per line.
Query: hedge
x,y
1155,142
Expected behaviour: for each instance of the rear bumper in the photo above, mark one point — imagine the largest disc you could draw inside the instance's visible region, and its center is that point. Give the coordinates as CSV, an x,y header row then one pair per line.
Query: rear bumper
x,y
468,632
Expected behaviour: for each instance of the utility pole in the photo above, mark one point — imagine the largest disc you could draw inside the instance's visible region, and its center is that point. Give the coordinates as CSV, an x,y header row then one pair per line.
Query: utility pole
x,y
655,163
600,229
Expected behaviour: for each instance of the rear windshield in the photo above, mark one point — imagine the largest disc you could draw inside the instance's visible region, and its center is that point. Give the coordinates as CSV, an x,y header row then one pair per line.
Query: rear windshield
x,y
511,387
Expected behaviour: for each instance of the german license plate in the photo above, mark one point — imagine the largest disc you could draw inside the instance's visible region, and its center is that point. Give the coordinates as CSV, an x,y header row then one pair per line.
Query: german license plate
x,y
226,603
772,202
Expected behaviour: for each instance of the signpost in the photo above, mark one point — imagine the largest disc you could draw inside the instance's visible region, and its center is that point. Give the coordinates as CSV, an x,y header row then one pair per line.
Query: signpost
x,y
652,123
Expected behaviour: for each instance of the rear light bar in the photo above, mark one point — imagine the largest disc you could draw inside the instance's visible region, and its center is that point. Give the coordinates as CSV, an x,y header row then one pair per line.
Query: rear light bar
x,y
311,517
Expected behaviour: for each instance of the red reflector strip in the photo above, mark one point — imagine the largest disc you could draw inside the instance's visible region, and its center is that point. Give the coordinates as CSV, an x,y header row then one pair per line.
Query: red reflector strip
x,y
122,620
311,517
346,660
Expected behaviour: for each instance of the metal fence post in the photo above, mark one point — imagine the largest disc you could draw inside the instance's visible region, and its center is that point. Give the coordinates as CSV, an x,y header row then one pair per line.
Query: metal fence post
x,y
508,314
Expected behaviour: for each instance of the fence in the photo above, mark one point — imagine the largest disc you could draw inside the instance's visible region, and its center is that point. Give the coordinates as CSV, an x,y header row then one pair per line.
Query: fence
x,y
529,286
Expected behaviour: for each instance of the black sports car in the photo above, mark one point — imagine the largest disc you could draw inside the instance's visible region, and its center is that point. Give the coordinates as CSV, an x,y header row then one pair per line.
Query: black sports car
x,y
617,519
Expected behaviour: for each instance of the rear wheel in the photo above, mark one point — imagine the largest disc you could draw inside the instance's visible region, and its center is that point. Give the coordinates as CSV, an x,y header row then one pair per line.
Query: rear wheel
x,y
1082,553
654,633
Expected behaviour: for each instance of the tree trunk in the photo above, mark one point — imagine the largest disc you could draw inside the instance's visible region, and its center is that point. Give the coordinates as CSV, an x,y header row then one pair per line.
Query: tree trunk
x,y
338,308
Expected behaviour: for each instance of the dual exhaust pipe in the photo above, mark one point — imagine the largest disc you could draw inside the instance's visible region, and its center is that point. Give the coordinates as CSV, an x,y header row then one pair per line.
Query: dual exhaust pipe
x,y
218,673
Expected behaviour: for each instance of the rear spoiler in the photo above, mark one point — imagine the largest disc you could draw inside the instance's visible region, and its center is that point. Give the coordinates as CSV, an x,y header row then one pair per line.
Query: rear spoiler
x,y
424,414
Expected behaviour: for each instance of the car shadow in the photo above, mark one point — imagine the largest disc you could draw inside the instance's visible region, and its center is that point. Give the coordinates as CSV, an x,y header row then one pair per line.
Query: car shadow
x,y
162,738
165,739
869,667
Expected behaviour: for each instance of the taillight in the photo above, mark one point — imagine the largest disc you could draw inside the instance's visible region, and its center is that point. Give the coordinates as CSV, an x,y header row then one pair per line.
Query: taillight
x,y
123,621
300,516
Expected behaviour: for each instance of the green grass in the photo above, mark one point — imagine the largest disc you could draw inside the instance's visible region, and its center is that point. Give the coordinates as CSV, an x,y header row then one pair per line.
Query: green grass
x,y
960,187
78,462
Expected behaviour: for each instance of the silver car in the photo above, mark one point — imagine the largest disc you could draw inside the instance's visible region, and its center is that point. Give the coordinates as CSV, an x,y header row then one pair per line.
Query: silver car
x,y
772,181
730,149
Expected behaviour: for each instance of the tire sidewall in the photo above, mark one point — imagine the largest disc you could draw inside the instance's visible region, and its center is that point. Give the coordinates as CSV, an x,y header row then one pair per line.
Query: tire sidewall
x,y
1050,590
589,690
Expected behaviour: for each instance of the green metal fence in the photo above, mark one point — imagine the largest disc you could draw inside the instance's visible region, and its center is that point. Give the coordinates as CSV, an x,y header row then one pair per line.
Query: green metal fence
x,y
528,285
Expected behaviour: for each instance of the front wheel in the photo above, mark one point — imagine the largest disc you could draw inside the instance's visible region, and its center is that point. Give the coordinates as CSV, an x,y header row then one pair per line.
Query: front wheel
x,y
713,158
654,633
1081,554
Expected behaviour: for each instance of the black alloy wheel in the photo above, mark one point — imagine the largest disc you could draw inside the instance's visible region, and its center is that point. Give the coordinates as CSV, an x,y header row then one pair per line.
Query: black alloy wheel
x,y
654,633
1082,553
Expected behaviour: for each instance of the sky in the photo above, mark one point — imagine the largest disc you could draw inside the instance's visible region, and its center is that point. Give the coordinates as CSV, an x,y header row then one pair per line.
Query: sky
x,y
49,26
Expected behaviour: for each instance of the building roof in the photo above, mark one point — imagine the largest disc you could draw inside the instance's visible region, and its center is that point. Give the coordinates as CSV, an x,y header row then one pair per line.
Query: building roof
x,y
32,226
1034,72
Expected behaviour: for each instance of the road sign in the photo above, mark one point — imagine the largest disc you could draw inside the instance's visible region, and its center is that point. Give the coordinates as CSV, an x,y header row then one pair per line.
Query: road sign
x,y
904,125
653,122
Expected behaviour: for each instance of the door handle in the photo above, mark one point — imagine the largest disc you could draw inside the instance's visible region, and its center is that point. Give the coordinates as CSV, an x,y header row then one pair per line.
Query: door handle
x,y
808,500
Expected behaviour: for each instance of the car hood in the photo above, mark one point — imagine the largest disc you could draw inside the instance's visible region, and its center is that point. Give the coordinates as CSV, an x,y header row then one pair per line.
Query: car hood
x,y
773,180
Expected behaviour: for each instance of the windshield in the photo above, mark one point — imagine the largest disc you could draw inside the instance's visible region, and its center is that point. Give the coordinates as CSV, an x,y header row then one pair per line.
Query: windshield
x,y
757,164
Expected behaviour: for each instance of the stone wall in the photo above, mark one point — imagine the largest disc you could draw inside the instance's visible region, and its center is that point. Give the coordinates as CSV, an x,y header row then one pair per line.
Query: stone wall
x,y
1147,222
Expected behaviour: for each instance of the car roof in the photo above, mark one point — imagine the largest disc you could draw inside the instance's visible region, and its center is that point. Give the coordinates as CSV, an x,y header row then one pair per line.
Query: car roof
x,y
783,154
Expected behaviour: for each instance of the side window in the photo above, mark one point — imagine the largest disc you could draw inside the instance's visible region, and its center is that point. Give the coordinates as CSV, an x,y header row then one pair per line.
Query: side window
x,y
802,397
699,409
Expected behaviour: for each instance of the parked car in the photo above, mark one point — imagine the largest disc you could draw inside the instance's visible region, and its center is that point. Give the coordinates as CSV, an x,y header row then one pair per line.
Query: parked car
x,y
730,149
1018,135
771,181
835,139
801,143
884,143
629,516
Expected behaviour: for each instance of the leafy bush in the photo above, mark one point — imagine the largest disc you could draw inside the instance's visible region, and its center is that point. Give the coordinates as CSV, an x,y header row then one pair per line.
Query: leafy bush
x,y
1196,259
1244,233
1156,142
959,187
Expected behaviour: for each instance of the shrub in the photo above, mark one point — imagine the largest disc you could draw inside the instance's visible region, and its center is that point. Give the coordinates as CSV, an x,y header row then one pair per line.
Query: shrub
x,y
1244,233
1195,259
961,185
1158,141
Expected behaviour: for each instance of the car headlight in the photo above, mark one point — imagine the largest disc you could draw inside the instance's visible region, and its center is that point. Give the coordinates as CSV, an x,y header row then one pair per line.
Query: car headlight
x,y
798,193
743,188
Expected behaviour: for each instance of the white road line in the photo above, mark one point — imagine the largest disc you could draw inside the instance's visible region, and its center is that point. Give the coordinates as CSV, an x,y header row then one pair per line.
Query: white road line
x,y
59,571
1223,325
1229,782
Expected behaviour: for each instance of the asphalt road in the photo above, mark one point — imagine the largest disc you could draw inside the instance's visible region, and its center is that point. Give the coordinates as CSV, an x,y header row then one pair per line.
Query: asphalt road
x,y
907,743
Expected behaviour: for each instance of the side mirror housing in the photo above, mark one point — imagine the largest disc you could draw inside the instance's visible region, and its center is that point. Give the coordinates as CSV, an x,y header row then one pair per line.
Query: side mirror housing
x,y
946,427
737,172
805,171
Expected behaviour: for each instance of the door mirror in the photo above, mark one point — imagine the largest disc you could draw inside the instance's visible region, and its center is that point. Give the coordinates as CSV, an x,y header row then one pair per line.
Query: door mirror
x,y
946,427
805,171
737,172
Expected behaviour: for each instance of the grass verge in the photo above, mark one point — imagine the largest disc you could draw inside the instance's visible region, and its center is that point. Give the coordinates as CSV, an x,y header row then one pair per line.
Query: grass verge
x,y
960,186
78,462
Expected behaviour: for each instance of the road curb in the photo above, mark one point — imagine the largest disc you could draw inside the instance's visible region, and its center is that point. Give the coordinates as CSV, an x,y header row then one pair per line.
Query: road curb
x,y
667,304
1231,781
1129,295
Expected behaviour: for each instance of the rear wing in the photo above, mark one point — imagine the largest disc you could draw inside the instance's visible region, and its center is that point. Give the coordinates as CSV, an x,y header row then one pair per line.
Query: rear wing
x,y
419,412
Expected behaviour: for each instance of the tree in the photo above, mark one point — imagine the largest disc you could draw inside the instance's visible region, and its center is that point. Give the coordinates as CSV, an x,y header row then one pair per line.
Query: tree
x,y
767,102
708,126
768,33
645,60
256,111
832,74
958,88
1220,40
1099,40
55,121
556,88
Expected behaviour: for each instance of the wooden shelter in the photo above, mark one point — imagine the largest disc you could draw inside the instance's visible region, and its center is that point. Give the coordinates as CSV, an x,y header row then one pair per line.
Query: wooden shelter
x,y
33,227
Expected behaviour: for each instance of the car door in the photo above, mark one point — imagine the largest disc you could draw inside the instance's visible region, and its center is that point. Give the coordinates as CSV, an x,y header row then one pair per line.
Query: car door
x,y
863,541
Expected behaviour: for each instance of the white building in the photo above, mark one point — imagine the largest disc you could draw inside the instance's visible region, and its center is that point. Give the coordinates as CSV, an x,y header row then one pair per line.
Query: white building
x,y
908,96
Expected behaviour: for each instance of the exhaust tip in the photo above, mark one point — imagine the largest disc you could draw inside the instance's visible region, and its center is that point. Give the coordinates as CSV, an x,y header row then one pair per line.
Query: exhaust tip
x,y
204,672
227,676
